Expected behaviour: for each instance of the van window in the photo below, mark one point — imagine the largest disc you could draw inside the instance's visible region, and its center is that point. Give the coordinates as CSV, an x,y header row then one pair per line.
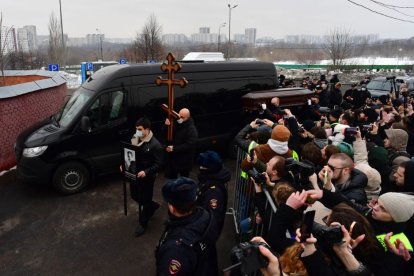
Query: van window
x,y
107,108
73,106
151,98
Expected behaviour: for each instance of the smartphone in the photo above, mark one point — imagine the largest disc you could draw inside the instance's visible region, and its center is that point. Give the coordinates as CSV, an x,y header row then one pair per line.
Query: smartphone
x,y
306,226
367,127
351,131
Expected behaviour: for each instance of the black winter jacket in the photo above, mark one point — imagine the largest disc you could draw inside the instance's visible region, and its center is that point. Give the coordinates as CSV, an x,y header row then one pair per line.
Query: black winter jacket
x,y
354,189
184,140
187,246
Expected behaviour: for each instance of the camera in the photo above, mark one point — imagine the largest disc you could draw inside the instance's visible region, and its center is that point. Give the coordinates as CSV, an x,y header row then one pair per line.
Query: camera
x,y
301,170
326,234
304,168
390,78
248,255
259,122
257,177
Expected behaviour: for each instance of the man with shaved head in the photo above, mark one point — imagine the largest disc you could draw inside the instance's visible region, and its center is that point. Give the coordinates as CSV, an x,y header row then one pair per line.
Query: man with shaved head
x,y
180,151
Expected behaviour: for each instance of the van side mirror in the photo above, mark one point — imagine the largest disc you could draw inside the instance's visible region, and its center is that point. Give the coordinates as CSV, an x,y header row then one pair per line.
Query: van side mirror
x,y
85,124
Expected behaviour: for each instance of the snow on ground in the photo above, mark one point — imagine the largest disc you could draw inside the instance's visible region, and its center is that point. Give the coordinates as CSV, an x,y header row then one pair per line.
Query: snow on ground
x,y
73,80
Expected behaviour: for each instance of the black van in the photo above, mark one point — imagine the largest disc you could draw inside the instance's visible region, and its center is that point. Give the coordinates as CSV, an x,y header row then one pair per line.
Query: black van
x,y
82,140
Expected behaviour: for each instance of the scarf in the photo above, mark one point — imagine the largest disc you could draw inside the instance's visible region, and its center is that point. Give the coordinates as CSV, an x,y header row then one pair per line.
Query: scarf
x,y
137,142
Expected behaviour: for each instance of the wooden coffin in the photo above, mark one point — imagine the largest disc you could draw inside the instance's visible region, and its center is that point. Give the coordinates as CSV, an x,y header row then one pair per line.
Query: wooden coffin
x,y
288,97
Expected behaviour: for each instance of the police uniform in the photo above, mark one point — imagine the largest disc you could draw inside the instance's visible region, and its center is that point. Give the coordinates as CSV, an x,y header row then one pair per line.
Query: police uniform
x,y
213,178
187,246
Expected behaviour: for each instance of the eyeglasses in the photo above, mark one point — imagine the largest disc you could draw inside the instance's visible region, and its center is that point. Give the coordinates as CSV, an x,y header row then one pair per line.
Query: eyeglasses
x,y
333,168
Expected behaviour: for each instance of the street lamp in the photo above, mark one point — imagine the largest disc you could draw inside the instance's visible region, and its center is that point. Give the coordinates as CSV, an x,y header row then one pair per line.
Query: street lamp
x,y
63,38
228,47
218,43
100,41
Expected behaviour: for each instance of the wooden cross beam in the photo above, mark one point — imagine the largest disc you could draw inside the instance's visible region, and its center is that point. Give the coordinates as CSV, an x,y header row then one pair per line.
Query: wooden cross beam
x,y
168,111
171,67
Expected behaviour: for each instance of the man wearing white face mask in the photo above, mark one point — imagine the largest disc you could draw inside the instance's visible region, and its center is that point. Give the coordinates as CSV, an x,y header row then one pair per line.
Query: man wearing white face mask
x,y
180,151
148,159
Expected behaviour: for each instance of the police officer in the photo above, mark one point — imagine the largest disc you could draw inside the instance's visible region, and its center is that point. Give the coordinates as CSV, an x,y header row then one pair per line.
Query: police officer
x,y
187,246
212,180
148,160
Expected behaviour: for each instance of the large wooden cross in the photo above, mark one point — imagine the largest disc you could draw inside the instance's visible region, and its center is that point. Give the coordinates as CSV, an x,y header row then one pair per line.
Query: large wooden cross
x,y
171,67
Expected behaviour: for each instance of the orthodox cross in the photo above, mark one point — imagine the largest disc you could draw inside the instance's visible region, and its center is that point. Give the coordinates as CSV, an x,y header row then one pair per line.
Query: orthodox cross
x,y
171,67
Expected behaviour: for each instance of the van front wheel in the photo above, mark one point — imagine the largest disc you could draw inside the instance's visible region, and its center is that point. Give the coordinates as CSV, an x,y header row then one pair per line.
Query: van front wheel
x,y
71,178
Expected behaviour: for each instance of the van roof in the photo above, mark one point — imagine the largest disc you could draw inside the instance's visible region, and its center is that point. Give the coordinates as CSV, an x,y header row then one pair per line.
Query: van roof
x,y
120,75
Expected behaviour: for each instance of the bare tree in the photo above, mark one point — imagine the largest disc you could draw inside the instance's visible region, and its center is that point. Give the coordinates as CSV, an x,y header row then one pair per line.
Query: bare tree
x,y
148,43
56,49
338,45
4,56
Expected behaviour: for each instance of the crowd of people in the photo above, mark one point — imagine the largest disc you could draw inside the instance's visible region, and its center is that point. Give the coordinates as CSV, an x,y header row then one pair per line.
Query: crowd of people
x,y
348,151
352,153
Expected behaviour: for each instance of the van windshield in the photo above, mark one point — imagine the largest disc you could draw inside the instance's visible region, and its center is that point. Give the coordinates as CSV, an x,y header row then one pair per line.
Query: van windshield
x,y
73,106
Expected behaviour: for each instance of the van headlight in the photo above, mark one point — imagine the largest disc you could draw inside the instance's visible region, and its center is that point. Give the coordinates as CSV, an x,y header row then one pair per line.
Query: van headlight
x,y
33,152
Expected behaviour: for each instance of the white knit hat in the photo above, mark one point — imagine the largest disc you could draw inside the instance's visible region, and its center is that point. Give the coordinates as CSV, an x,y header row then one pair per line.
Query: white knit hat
x,y
400,206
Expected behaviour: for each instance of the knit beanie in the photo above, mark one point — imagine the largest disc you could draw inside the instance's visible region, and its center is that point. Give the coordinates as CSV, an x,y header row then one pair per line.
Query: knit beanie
x,y
346,148
398,138
400,206
280,133
378,158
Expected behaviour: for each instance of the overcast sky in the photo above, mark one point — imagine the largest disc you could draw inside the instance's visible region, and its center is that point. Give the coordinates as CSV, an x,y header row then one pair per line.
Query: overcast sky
x,y
274,18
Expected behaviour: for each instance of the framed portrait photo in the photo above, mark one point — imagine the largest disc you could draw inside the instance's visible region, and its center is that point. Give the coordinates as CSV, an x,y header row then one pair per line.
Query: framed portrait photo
x,y
129,166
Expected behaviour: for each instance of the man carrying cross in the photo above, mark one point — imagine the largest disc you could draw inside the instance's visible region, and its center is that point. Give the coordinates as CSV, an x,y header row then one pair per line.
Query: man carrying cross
x,y
180,151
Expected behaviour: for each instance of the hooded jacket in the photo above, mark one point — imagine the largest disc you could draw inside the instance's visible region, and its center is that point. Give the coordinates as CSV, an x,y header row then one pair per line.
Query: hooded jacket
x,y
373,187
354,188
397,153
187,246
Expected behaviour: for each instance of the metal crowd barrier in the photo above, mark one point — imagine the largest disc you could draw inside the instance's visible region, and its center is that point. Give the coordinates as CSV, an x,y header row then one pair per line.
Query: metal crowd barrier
x,y
243,209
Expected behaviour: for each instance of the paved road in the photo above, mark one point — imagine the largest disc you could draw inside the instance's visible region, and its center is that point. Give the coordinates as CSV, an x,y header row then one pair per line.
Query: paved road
x,y
42,233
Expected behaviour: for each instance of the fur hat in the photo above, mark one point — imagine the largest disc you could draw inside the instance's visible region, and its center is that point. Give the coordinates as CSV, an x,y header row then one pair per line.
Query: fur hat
x,y
210,160
400,206
180,191
280,133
